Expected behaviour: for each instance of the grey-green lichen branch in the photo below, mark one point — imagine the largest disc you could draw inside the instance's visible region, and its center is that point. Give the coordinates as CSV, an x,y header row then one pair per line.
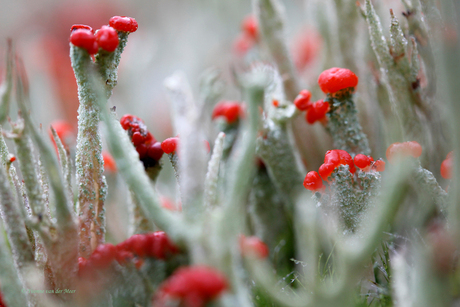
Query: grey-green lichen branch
x,y
108,63
10,284
89,161
395,72
344,126
64,159
61,250
270,16
212,176
428,183
192,157
7,86
28,167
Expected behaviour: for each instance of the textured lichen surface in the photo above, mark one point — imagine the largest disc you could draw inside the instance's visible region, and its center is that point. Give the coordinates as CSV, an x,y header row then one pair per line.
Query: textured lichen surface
x,y
243,199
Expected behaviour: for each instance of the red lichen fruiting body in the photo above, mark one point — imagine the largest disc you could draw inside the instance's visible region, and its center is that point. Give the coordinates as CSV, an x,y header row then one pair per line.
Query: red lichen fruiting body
x,y
333,159
107,38
84,38
403,150
313,181
302,101
317,111
123,24
231,110
250,26
253,246
447,165
379,165
194,286
170,145
109,162
79,26
362,161
336,79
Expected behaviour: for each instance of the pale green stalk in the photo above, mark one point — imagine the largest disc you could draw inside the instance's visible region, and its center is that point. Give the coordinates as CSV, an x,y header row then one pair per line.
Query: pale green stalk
x,y
397,84
344,126
212,176
356,250
28,167
108,62
7,86
16,231
307,240
63,251
43,179
191,151
89,161
347,21
10,284
242,165
229,220
270,14
275,146
64,161
263,276
427,182
450,83
211,88
139,222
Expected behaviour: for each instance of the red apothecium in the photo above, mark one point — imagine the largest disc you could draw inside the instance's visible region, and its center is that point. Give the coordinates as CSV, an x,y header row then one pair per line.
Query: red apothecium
x,y
403,149
107,38
336,79
313,181
123,24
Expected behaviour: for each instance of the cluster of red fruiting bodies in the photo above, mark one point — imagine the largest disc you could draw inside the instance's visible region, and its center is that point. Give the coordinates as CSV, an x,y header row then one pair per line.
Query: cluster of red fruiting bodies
x,y
106,37
150,151
148,148
155,245
335,158
331,81
230,110
332,160
193,286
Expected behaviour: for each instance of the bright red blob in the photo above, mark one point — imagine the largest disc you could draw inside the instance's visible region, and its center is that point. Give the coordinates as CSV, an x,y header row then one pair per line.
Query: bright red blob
x,y
123,24
302,101
336,79
253,246
313,181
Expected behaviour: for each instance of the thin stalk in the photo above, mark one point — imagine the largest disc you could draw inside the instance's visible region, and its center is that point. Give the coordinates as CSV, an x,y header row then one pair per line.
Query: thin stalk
x,y
89,161
10,284
7,86
212,176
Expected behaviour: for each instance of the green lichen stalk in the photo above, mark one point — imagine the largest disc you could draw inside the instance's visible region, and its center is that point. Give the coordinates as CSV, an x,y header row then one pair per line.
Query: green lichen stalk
x,y
344,126
108,63
89,162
